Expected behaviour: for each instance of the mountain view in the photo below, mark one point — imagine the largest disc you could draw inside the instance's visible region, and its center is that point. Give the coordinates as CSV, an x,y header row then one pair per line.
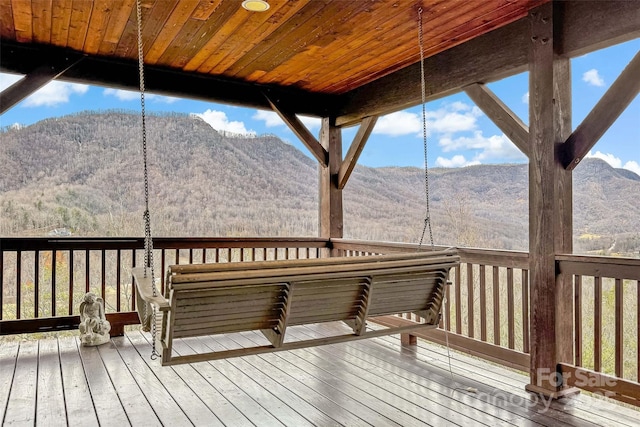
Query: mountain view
x,y
83,175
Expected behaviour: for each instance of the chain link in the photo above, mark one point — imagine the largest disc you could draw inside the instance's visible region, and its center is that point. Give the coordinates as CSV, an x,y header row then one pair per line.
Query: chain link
x,y
148,241
423,87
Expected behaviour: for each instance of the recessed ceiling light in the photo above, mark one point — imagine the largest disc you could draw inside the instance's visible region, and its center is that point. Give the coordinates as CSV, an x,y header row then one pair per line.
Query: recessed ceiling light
x,y
255,5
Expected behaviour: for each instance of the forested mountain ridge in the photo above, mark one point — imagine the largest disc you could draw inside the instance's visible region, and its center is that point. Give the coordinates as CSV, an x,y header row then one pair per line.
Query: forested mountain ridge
x,y
84,173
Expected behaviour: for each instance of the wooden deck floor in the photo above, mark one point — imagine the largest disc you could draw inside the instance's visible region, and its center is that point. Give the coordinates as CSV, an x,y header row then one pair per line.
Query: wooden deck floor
x,y
373,382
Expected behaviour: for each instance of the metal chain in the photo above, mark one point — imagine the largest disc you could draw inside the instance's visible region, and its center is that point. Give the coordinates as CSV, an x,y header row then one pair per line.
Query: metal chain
x,y
423,87
148,241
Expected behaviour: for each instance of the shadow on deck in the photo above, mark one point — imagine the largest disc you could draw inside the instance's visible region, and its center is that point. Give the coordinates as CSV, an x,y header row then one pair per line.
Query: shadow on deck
x,y
371,382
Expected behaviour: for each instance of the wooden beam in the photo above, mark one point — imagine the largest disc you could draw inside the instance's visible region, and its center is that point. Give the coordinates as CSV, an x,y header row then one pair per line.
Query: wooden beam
x,y
33,81
123,74
359,141
330,210
301,131
503,117
493,56
549,210
603,115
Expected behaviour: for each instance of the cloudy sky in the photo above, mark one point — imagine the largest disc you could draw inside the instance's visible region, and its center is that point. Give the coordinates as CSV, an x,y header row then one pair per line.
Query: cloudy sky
x,y
458,133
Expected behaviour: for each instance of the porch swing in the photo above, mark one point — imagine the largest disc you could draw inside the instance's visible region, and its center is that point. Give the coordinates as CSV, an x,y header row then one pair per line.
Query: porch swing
x,y
270,296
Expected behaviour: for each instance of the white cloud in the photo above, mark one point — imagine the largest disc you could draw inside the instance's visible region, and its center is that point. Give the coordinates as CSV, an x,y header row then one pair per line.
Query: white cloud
x,y
7,80
615,162
593,78
128,95
55,93
397,124
271,119
607,157
525,98
456,161
495,147
632,166
219,121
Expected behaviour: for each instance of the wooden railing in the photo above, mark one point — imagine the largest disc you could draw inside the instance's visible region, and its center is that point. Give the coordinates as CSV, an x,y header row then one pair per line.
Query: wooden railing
x,y
486,310
43,280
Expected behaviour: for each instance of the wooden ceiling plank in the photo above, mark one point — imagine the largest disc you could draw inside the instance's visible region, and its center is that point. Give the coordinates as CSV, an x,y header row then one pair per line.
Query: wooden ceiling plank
x,y
22,20
395,55
79,23
304,36
490,57
102,10
501,115
151,26
242,46
254,30
373,23
127,46
400,59
359,141
122,12
175,22
615,100
277,37
205,9
41,15
60,21
203,47
301,131
7,30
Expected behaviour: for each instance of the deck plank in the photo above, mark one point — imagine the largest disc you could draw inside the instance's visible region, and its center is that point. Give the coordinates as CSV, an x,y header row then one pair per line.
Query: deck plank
x,y
106,400
245,404
79,406
347,402
166,379
21,407
294,411
50,409
216,402
8,360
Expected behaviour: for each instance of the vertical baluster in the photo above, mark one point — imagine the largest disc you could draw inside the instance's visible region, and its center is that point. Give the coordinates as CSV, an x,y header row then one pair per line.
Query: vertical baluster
x,y
241,254
525,311
53,283
458,301
103,275
496,305
118,277
470,301
597,341
253,254
190,255
228,254
447,306
87,272
216,255
638,330
577,292
204,255
1,282
510,308
619,333
36,283
483,303
297,253
177,259
71,274
163,268
18,284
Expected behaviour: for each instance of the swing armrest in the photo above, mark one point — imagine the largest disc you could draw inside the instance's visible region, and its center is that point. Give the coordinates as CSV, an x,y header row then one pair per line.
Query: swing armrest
x,y
144,286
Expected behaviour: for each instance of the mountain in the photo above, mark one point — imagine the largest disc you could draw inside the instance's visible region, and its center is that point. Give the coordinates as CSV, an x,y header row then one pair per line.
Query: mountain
x,y
84,173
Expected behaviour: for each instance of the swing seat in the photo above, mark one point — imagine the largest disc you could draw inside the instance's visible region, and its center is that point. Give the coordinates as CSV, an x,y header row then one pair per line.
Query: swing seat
x,y
269,296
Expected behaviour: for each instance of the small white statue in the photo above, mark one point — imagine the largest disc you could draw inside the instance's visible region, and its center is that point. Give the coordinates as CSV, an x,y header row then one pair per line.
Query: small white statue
x,y
94,326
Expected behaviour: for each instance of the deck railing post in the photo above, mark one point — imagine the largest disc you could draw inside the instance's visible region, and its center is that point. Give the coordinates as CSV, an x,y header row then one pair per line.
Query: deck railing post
x,y
330,216
550,201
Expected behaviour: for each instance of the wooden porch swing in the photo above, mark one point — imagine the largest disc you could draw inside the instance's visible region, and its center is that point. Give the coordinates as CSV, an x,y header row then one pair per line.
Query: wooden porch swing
x,y
270,296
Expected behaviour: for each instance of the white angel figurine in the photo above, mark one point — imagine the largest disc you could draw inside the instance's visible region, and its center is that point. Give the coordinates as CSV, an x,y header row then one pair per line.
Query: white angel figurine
x,y
94,326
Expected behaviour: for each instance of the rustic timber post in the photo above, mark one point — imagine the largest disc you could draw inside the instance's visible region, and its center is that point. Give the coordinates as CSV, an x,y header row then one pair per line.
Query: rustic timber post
x,y
550,204
330,218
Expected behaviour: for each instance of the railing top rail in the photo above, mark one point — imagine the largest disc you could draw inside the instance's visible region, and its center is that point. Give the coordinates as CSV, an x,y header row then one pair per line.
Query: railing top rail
x,y
98,243
599,266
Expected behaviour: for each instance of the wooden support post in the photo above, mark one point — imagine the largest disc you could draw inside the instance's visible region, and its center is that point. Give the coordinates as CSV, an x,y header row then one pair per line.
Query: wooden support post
x,y
407,339
330,211
550,204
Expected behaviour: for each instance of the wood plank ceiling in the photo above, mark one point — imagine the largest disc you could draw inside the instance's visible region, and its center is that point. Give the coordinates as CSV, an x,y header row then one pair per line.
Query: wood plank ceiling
x,y
318,46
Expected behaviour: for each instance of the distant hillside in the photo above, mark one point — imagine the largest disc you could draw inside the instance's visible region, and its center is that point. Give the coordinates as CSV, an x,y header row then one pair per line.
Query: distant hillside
x,y
83,173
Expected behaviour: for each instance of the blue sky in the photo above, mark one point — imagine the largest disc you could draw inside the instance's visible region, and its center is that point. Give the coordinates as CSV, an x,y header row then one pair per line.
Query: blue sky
x,y
459,134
